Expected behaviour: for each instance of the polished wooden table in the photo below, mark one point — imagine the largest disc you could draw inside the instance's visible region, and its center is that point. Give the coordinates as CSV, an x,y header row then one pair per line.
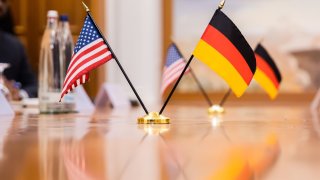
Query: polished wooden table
x,y
249,141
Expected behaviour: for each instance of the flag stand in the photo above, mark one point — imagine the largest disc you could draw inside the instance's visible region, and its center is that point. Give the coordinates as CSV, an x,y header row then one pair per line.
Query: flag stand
x,y
116,59
176,84
181,75
201,88
153,118
204,93
157,118
218,108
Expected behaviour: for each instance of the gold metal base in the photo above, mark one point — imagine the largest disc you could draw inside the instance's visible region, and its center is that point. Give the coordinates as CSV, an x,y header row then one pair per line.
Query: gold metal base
x,y
215,110
154,118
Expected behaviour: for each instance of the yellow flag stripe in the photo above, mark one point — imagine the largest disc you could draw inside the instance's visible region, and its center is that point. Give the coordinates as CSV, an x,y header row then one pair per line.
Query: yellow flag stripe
x,y
263,80
218,63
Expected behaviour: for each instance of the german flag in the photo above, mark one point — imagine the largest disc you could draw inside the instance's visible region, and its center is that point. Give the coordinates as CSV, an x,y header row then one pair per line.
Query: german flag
x,y
267,74
223,48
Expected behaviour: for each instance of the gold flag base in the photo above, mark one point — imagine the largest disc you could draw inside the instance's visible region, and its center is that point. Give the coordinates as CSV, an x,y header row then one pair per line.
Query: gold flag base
x,y
215,110
154,118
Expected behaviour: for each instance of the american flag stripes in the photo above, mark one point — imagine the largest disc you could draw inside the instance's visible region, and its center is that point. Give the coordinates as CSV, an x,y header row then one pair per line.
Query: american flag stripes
x,y
173,67
90,52
73,156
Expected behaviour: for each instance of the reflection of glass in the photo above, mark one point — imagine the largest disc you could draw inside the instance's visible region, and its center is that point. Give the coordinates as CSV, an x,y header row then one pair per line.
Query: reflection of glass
x,y
154,129
3,88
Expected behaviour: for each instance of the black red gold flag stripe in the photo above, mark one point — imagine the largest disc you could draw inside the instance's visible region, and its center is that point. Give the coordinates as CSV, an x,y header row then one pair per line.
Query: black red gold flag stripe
x,y
267,74
223,48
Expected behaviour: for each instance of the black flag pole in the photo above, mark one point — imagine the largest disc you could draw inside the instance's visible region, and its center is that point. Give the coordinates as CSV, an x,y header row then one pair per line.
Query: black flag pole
x,y
116,59
184,70
225,97
204,93
176,84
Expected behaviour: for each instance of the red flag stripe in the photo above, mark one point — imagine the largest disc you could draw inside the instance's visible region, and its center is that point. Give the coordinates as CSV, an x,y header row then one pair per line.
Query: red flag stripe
x,y
79,75
267,70
87,67
93,50
83,79
178,62
224,46
85,50
170,79
85,57
172,73
177,71
174,70
75,164
85,60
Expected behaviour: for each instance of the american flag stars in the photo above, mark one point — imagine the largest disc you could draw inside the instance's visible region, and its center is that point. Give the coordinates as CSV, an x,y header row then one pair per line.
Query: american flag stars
x,y
87,35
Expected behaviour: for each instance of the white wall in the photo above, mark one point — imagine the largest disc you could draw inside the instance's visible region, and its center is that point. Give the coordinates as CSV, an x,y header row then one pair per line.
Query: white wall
x,y
134,31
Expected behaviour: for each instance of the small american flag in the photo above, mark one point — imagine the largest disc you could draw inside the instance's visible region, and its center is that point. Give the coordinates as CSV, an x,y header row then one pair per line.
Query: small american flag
x,y
89,53
173,67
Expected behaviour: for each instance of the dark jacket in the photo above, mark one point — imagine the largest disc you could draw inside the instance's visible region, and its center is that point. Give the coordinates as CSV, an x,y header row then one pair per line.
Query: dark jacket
x,y
12,52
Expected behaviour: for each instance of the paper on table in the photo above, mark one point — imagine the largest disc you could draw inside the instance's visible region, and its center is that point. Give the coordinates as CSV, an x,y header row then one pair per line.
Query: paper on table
x,y
112,95
83,102
5,109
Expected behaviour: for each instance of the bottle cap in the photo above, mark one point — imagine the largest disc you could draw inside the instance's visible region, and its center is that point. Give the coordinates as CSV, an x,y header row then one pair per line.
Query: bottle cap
x,y
52,14
64,18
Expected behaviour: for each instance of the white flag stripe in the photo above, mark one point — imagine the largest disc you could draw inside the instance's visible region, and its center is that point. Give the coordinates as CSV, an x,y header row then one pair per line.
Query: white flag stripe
x,y
176,70
165,86
84,57
173,65
173,70
84,67
172,73
75,166
170,79
70,75
167,83
86,47
84,78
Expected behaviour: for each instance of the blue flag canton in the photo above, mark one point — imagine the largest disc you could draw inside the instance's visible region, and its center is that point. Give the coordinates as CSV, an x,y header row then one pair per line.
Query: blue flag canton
x,y
89,33
173,55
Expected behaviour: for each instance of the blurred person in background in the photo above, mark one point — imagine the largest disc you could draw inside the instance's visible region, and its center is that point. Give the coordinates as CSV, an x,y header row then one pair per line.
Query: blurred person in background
x,y
6,20
19,78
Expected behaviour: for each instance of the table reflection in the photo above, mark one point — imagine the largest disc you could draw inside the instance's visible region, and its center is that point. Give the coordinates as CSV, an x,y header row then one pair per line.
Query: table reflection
x,y
112,146
20,150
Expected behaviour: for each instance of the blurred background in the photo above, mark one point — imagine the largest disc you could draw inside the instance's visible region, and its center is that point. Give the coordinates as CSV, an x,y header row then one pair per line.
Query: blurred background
x,y
287,28
140,31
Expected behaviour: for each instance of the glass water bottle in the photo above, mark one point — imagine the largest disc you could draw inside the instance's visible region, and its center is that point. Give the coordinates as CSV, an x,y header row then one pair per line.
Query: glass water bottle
x,y
66,50
51,68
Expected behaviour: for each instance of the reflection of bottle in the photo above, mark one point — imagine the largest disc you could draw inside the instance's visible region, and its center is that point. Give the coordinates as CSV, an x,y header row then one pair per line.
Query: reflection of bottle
x,y
66,49
51,69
